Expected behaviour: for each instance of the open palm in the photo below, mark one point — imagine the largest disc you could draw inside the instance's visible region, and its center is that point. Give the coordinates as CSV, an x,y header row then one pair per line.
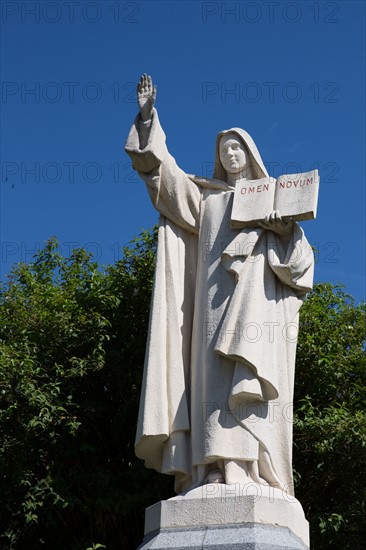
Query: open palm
x,y
146,95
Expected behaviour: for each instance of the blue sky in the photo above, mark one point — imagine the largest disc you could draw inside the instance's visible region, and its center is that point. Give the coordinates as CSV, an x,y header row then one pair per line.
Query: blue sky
x,y
290,73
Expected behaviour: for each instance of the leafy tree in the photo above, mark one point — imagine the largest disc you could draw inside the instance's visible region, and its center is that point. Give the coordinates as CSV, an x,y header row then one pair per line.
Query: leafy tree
x,y
72,342
71,355
330,419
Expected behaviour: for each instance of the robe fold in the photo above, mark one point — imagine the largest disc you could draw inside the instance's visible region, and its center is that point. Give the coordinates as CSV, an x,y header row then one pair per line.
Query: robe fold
x,y
219,366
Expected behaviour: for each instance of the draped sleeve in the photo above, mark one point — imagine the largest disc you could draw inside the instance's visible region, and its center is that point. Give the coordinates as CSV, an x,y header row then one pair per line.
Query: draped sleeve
x,y
292,261
162,435
171,191
271,285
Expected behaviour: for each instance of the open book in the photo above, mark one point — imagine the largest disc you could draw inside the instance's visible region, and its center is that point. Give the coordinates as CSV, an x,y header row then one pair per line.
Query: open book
x,y
293,195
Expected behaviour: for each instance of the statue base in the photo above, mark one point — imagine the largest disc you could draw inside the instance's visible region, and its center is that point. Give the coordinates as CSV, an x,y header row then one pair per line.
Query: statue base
x,y
227,517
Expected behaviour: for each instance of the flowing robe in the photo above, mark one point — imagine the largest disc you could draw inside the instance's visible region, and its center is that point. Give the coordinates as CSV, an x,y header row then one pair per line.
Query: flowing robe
x,y
219,367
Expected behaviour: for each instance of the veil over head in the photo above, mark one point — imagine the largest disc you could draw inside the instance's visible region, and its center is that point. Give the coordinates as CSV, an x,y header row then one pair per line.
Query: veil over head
x,y
258,169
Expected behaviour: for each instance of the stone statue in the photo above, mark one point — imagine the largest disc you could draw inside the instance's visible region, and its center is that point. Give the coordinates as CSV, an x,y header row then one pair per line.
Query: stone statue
x,y
218,382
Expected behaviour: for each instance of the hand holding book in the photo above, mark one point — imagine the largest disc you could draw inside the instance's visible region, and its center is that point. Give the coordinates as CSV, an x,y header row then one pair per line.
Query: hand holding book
x,y
274,222
267,201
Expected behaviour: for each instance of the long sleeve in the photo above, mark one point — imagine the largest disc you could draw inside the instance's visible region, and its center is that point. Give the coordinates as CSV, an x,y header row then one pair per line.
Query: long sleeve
x,y
171,191
293,262
162,437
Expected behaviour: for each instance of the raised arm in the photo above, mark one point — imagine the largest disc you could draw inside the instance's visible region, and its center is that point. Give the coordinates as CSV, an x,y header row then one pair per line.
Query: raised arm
x,y
146,96
172,193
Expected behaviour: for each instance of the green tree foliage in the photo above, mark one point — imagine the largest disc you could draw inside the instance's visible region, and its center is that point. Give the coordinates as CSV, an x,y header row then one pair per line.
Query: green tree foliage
x,y
330,419
72,345
71,356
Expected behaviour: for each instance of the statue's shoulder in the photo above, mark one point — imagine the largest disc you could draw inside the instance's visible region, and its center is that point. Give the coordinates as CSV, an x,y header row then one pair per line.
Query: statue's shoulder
x,y
209,183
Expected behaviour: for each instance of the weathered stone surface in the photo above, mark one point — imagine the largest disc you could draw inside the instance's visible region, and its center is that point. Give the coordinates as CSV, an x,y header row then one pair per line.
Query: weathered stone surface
x,y
218,380
216,400
222,505
236,537
294,196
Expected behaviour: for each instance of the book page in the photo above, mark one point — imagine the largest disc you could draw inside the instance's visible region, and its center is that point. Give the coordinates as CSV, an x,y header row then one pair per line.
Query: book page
x,y
253,201
296,195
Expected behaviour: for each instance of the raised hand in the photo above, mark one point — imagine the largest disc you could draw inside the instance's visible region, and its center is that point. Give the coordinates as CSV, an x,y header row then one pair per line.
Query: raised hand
x,y
146,95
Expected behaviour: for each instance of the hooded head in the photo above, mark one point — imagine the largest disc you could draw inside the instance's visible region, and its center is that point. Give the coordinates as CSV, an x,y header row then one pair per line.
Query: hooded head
x,y
258,170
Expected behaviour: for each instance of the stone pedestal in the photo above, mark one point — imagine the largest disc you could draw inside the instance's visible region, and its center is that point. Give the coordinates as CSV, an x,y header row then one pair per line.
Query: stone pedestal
x,y
227,517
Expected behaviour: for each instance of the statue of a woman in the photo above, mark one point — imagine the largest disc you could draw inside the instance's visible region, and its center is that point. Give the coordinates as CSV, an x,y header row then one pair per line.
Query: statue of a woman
x,y
217,391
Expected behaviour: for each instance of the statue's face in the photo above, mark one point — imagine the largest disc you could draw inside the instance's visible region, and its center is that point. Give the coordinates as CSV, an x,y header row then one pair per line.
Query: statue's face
x,y
233,154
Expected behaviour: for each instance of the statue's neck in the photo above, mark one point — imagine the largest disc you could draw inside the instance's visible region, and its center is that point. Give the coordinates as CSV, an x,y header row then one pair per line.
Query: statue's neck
x,y
243,175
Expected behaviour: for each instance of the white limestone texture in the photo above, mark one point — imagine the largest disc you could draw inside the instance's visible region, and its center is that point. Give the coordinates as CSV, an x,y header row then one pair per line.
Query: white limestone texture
x,y
217,390
294,195
247,536
217,505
